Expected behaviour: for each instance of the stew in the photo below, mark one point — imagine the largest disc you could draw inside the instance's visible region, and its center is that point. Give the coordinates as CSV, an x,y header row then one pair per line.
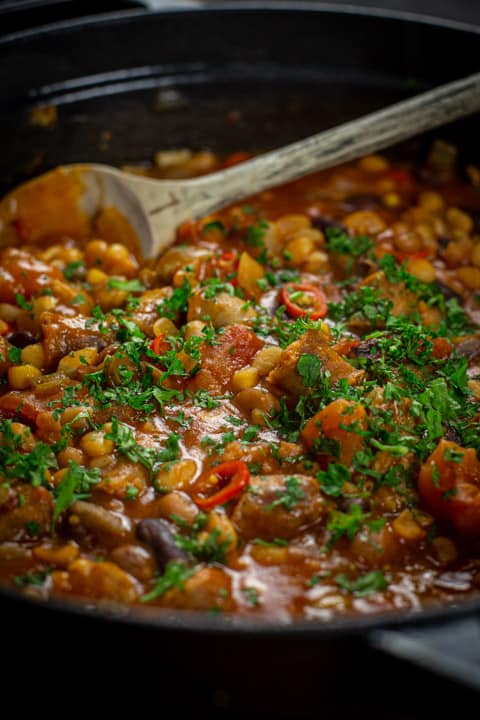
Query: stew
x,y
279,417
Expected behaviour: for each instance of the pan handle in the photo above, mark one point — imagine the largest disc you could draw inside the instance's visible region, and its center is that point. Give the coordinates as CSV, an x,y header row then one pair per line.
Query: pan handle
x,y
450,649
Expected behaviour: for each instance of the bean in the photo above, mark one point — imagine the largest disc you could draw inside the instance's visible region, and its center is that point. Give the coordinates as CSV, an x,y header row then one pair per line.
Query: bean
x,y
160,536
21,339
135,560
105,524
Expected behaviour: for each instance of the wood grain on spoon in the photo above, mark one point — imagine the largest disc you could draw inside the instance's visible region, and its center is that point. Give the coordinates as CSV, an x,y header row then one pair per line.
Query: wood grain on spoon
x,y
155,208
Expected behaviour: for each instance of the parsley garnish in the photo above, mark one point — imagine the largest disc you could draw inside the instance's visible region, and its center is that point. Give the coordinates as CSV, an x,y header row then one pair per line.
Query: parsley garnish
x,y
174,576
371,582
75,485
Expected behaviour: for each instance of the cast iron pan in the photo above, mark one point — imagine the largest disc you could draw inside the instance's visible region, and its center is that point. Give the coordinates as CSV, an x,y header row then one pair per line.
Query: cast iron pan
x,y
226,77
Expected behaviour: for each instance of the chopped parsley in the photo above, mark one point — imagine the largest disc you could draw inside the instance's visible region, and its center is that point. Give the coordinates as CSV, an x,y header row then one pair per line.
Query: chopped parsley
x,y
175,576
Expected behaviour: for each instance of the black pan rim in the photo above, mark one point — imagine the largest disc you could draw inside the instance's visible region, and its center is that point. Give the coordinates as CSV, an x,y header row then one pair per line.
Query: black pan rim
x,y
197,622
242,6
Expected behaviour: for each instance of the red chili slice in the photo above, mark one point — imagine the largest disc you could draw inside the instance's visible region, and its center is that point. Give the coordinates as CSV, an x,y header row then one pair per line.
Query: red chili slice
x,y
159,346
317,302
235,474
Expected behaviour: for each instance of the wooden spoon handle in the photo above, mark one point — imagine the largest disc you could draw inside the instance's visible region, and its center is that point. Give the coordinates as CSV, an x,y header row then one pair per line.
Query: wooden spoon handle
x,y
340,144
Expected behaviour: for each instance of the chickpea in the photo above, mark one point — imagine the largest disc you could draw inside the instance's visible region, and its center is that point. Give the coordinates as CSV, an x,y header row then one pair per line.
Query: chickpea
x,y
469,277
164,326
33,355
299,249
266,359
422,269
457,252
96,277
431,201
95,252
70,364
476,255
176,476
193,328
21,377
251,398
318,262
23,436
289,224
406,240
119,260
459,220
70,454
95,444
9,313
364,222
43,304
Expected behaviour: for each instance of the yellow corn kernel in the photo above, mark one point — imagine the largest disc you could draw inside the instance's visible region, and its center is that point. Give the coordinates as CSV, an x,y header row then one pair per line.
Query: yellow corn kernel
x,y
3,327
373,164
266,359
245,378
33,355
391,200
76,359
95,444
96,276
22,376
164,326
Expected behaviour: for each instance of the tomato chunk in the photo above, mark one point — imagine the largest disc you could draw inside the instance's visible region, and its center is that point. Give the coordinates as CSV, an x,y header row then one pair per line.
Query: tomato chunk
x,y
449,483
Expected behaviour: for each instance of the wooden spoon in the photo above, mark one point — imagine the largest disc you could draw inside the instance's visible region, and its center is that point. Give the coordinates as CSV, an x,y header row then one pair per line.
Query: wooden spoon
x,y
155,208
